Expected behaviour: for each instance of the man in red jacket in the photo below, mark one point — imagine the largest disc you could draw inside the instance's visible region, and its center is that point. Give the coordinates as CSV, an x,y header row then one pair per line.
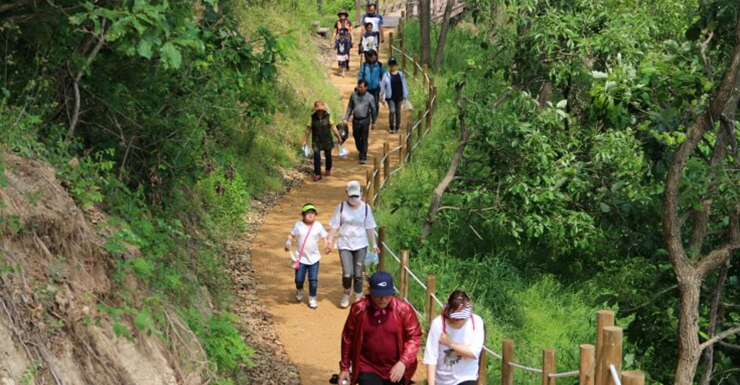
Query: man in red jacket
x,y
381,338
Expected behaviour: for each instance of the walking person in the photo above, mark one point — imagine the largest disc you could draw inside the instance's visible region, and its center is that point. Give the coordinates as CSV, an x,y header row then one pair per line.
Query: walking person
x,y
343,24
342,46
375,19
320,127
307,232
381,338
354,224
454,343
394,91
372,71
369,40
364,113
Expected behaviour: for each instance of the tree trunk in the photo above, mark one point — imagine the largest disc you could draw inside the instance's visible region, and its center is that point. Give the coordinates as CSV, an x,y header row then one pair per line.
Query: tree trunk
x,y
439,54
358,14
712,329
425,19
545,94
688,327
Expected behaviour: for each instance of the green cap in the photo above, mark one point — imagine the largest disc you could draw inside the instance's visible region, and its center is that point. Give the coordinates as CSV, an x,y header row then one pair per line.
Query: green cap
x,y
308,207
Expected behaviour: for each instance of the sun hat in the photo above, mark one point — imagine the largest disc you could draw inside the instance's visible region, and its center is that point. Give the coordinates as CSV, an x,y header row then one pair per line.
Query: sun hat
x,y
353,188
392,61
343,12
319,106
308,207
381,284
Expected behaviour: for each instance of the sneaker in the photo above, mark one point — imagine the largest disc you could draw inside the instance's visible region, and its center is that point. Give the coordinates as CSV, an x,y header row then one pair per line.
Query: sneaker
x,y
344,303
327,173
359,296
312,303
316,178
363,161
299,295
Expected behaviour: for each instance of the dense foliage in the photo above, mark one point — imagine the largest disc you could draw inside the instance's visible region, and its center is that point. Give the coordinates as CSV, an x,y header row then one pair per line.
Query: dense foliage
x,y
560,191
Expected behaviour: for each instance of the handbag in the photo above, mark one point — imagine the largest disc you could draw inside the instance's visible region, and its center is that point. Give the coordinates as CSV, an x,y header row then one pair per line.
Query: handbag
x,y
306,150
300,253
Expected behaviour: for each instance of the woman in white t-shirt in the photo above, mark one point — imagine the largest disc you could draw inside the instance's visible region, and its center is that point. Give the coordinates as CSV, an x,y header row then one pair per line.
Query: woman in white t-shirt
x,y
307,232
354,223
454,343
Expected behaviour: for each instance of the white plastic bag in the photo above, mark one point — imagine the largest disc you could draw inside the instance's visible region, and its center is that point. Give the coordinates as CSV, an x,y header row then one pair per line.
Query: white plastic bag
x,y
306,150
371,258
343,151
407,106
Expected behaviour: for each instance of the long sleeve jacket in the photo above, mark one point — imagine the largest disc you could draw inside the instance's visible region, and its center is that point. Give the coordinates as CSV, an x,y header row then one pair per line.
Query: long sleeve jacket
x,y
386,89
361,106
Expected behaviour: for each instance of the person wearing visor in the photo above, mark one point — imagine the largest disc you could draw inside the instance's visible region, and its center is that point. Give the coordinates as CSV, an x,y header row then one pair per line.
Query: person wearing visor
x,y
381,338
454,343
321,127
307,232
353,225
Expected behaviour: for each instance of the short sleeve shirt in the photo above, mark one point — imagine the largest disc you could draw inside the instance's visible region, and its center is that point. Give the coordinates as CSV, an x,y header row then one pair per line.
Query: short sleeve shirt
x,y
376,20
311,253
352,225
451,368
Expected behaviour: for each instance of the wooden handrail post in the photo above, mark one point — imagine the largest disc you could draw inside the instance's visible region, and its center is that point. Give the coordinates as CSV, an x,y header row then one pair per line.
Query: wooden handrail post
x,y
402,148
404,65
425,71
611,354
386,161
420,128
633,377
403,277
376,179
390,45
482,366
429,112
369,190
434,97
548,366
381,243
409,142
586,368
416,67
431,303
507,356
431,86
604,318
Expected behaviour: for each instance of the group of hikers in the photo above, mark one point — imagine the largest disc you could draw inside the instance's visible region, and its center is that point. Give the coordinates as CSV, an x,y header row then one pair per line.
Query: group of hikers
x,y
382,336
375,86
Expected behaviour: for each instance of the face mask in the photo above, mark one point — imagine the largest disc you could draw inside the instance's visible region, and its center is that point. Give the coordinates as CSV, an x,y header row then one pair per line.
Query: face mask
x,y
354,201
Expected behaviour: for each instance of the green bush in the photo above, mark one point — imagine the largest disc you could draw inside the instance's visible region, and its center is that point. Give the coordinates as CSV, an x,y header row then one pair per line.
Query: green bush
x,y
225,199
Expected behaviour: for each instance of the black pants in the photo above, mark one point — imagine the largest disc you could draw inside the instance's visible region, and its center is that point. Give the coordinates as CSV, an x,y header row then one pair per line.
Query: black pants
x,y
317,161
376,94
374,379
468,383
361,132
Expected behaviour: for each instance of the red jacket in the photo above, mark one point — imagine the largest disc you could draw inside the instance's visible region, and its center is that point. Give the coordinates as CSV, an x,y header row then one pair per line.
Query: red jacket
x,y
409,338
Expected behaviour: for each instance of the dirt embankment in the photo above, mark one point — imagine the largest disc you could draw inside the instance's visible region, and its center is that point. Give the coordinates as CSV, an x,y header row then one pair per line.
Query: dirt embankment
x,y
54,273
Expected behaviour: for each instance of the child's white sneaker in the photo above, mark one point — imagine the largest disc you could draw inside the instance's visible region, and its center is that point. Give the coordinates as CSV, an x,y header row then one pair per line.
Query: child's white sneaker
x,y
358,297
312,303
299,295
344,303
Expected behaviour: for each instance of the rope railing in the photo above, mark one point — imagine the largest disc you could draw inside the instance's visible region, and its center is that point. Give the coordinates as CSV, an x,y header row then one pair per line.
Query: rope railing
x,y
595,363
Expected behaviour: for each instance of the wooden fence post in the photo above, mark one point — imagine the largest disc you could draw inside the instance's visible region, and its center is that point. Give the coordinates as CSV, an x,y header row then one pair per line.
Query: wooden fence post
x,y
381,242
420,128
376,179
425,71
431,86
429,112
548,366
604,318
390,45
434,97
431,303
402,148
611,354
403,277
386,161
414,63
369,190
404,65
633,377
482,366
409,142
507,355
586,368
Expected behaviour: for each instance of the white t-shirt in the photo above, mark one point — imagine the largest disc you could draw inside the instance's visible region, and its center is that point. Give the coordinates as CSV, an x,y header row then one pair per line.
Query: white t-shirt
x,y
311,252
352,226
453,369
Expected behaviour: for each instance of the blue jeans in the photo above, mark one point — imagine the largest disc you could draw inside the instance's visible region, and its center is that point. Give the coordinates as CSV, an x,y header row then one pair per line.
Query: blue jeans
x,y
313,278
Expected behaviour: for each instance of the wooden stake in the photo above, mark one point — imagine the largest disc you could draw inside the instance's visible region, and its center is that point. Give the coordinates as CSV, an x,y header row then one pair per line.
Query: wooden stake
x,y
409,142
604,318
369,190
482,366
402,148
403,60
376,179
548,366
381,242
586,367
429,113
416,67
633,377
431,303
611,354
386,161
390,45
420,127
425,71
403,284
507,355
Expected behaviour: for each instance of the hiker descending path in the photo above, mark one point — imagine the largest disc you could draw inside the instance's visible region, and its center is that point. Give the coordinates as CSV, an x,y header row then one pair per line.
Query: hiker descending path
x,y
312,337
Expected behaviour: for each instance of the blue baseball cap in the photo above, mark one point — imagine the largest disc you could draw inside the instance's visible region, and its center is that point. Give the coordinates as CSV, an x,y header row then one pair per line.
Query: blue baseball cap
x,y
381,284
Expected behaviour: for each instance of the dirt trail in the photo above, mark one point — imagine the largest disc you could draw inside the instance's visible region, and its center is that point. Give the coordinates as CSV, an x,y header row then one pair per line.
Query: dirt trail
x,y
311,337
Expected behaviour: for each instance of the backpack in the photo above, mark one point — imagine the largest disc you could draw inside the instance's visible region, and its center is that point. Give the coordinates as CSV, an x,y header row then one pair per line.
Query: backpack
x,y
346,25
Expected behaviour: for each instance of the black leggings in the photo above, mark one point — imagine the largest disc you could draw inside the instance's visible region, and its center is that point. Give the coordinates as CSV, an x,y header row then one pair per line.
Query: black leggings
x,y
374,379
317,161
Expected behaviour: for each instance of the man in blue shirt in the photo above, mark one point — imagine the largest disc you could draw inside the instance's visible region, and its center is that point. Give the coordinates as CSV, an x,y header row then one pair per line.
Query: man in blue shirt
x,y
376,19
372,72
